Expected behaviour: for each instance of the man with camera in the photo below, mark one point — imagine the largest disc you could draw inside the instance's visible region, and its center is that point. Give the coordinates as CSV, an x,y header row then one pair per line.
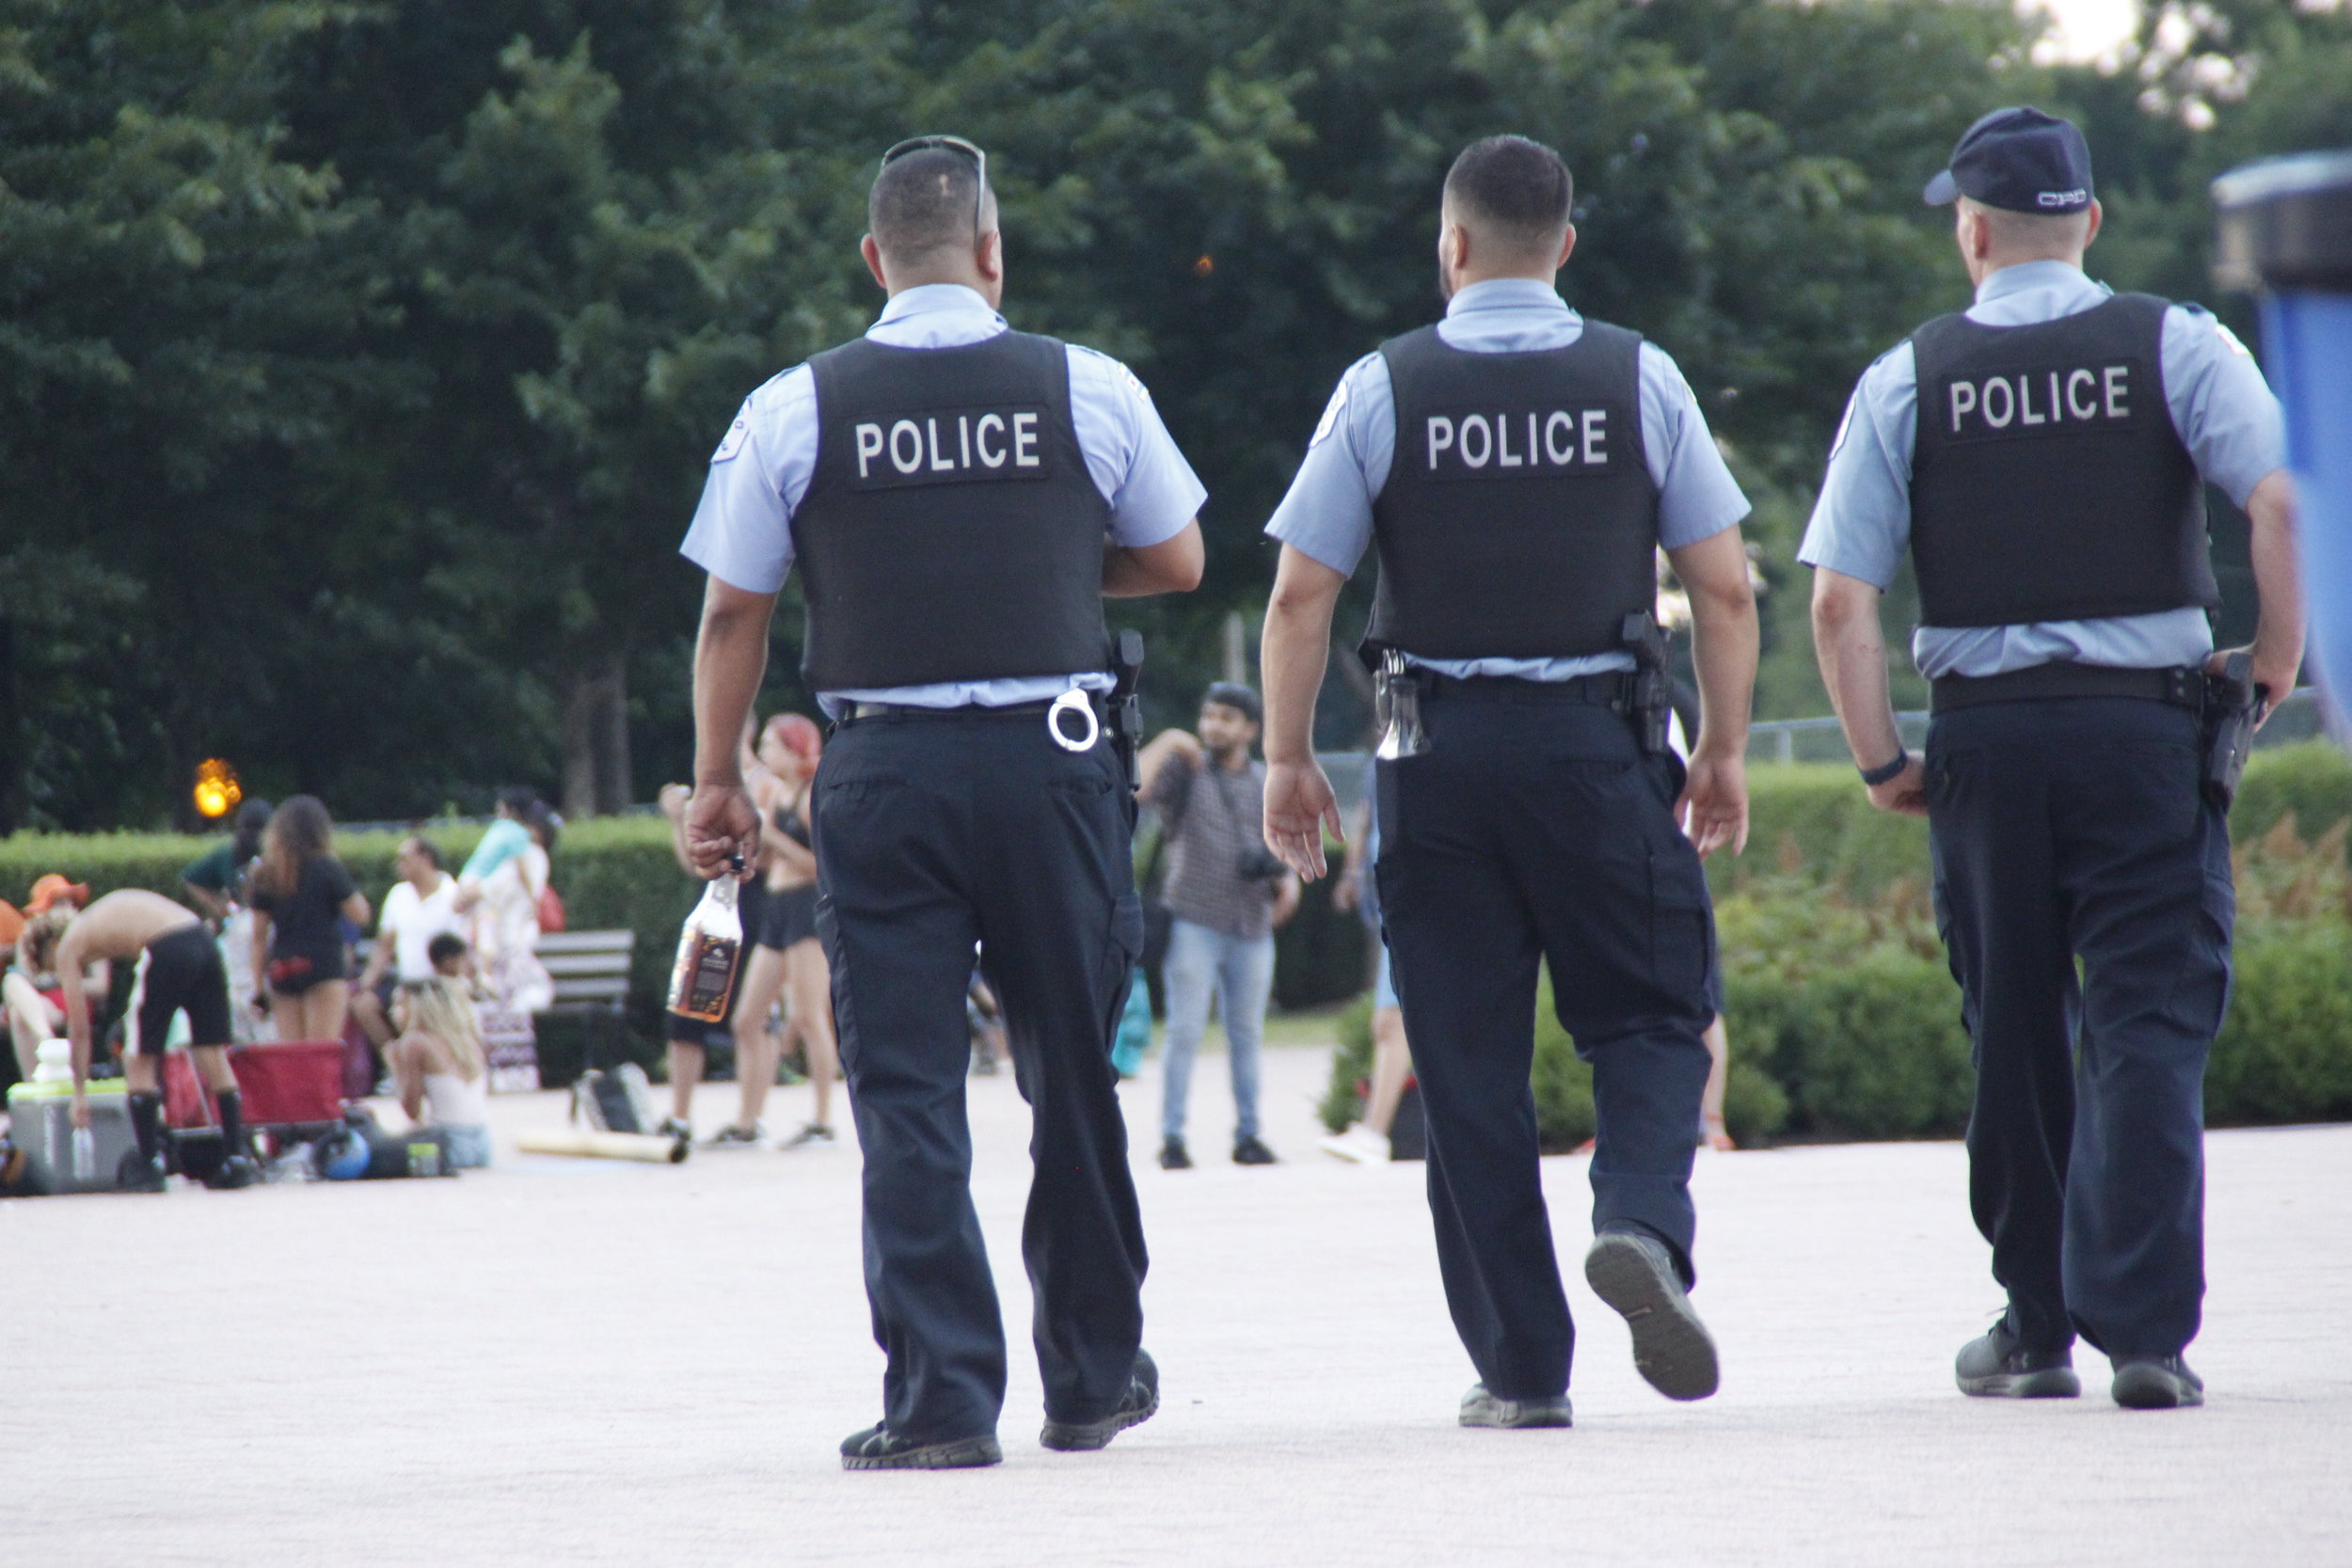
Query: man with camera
x,y
1226,893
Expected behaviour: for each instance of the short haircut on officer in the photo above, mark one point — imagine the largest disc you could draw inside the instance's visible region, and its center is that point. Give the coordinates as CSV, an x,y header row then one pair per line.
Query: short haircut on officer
x,y
923,204
1513,192
2033,233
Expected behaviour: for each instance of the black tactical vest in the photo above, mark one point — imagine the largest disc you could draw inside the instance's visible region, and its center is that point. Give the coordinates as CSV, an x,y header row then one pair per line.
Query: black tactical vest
x,y
1519,519
2049,482
951,531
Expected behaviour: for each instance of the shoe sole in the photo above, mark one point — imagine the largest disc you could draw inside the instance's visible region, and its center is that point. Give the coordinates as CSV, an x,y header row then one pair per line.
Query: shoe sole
x,y
1672,1349
1085,1437
2050,1382
1521,1416
1352,1156
2145,1387
962,1454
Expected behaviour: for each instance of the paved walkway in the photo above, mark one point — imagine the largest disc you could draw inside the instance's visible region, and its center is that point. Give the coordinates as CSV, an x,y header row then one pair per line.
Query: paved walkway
x,y
578,1362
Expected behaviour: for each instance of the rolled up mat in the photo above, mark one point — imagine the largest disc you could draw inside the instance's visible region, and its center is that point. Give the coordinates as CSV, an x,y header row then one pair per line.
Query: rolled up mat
x,y
602,1146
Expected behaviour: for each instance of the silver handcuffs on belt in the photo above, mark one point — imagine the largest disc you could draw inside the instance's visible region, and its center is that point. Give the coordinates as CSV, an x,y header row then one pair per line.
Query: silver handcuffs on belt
x,y
1080,702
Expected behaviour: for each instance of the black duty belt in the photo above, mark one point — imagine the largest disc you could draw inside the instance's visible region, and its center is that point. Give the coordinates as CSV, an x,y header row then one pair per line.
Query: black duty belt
x,y
1075,719
2181,686
1607,690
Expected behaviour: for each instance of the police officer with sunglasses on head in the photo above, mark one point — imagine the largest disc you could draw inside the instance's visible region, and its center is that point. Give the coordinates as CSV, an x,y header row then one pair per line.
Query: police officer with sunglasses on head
x,y
958,497
1518,466
2043,457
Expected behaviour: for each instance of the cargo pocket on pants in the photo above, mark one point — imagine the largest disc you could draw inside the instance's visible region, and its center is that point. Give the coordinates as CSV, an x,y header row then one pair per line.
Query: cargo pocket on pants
x,y
1681,925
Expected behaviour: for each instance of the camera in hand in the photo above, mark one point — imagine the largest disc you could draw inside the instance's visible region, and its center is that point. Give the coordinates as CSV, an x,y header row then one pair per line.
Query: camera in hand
x,y
1259,864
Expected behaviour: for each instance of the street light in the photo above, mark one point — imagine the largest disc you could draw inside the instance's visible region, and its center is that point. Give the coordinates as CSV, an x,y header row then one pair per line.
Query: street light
x,y
217,791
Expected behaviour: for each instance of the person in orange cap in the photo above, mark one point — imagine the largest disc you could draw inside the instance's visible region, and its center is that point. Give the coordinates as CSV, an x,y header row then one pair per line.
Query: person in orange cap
x,y
53,888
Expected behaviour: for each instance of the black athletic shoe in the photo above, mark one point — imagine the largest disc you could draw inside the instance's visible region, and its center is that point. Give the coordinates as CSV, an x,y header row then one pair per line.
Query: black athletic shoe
x,y
1173,1155
875,1449
238,1170
1994,1364
137,1173
1249,1151
2157,1383
1141,1399
1481,1407
1633,1273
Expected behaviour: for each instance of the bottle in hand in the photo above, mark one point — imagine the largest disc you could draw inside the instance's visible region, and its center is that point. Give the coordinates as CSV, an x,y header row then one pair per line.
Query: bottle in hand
x,y
709,952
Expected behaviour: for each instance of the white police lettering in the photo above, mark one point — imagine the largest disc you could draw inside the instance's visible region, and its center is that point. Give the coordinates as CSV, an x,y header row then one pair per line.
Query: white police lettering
x,y
1522,440
2038,400
950,446
2062,201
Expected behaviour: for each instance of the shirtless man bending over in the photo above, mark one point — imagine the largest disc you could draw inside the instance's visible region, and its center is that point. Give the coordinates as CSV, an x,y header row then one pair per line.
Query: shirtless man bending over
x,y
178,966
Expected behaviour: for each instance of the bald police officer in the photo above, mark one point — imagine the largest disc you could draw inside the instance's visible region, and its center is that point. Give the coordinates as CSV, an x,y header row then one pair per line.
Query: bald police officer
x,y
1518,467
2043,455
958,497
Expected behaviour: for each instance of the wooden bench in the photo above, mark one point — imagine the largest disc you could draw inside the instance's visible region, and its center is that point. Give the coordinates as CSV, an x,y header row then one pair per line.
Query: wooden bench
x,y
590,969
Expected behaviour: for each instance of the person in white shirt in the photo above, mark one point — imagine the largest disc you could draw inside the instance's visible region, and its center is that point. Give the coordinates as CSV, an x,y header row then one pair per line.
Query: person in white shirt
x,y
420,907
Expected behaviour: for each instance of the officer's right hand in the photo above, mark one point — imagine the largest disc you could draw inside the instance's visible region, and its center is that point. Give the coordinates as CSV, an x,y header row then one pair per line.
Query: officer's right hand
x,y
721,831
1299,805
1905,793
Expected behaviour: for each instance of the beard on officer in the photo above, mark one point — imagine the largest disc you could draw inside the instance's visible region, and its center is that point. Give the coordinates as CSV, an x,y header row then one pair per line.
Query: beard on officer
x,y
959,499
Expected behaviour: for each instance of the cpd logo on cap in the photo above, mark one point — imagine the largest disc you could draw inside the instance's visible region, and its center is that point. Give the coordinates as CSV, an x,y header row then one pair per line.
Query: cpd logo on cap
x,y
2062,199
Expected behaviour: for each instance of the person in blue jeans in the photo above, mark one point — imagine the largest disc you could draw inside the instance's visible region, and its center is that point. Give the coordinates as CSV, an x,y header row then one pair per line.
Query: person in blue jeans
x,y
1226,893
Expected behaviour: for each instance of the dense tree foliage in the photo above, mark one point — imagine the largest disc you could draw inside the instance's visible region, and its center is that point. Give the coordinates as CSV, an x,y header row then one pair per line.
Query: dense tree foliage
x,y
358,362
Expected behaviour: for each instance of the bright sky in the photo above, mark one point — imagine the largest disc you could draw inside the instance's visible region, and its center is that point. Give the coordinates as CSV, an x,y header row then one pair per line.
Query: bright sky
x,y
2085,28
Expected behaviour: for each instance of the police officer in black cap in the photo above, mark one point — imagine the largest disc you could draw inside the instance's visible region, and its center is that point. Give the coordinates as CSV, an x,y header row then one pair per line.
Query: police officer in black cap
x,y
960,498
2043,455
1518,467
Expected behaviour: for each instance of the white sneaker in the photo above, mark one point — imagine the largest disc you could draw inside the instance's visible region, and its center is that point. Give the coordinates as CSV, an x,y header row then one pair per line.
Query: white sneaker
x,y
1359,1145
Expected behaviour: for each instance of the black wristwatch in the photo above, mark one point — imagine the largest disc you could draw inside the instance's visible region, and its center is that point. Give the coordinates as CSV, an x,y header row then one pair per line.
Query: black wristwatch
x,y
1877,776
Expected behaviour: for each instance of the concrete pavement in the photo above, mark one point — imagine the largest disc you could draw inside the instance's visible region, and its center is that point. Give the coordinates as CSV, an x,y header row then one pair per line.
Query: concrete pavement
x,y
581,1362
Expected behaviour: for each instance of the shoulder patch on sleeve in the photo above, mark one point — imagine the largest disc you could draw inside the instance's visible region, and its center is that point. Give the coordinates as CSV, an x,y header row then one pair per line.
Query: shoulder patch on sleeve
x,y
1331,412
737,435
1135,385
2229,340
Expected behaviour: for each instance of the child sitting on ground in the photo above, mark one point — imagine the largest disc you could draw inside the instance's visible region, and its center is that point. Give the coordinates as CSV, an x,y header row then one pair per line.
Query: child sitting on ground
x,y
439,1062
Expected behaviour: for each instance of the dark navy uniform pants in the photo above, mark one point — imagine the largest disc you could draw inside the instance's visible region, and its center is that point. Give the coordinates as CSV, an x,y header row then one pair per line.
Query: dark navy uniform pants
x,y
1534,830
2071,830
933,833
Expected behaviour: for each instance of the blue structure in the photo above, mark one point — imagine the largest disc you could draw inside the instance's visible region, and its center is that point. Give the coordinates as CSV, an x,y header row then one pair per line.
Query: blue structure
x,y
2286,228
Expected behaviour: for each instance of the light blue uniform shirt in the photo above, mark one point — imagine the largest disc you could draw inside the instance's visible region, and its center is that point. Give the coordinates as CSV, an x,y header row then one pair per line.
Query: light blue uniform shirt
x,y
1861,526
1327,514
743,530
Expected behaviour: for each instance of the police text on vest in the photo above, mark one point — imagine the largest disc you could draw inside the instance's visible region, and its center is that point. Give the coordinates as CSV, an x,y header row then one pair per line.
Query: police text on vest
x,y
1522,440
2025,399
943,444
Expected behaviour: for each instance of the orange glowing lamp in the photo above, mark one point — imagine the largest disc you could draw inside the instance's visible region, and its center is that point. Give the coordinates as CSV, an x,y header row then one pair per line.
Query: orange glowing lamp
x,y
217,791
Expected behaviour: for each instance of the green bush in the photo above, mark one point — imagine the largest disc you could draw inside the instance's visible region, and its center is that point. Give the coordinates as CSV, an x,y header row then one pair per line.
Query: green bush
x,y
1875,1049
2286,1050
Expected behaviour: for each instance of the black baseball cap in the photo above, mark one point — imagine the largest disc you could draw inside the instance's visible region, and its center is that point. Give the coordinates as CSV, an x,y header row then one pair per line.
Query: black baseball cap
x,y
2020,160
1239,698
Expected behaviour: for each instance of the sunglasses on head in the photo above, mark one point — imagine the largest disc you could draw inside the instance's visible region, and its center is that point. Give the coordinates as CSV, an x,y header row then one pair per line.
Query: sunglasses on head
x,y
952,143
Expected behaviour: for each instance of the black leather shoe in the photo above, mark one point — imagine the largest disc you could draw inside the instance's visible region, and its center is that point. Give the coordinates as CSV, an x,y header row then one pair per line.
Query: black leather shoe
x,y
1633,1272
1995,1364
875,1449
1173,1155
1135,1407
2157,1383
137,1173
1249,1151
1483,1408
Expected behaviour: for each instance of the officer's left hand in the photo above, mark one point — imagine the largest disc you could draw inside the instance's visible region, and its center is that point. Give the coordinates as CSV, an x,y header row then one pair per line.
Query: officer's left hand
x,y
1714,809
1906,793
1299,805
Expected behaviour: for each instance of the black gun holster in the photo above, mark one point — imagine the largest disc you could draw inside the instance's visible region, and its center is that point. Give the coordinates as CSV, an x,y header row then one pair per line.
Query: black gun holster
x,y
2233,705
